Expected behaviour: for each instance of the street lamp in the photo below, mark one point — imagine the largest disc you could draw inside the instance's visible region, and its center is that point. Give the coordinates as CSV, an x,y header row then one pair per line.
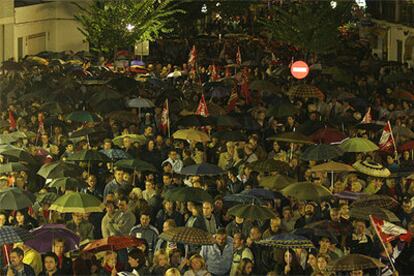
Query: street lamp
x,y
204,8
130,27
334,4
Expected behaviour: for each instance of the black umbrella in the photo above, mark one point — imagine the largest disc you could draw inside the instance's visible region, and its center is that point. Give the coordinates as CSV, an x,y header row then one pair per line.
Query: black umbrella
x,y
204,169
193,120
230,136
321,152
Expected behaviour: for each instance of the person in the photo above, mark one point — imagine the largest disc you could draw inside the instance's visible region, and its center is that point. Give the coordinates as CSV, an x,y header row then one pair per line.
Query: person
x,y
238,224
80,226
274,228
122,221
64,263
161,262
112,186
197,266
240,252
358,241
31,257
174,160
290,264
219,256
146,231
168,212
208,221
108,266
16,266
136,261
245,268
110,214
172,272
50,265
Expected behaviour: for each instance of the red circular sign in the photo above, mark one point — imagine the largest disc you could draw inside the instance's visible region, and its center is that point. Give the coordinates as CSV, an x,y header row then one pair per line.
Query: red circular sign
x,y
299,69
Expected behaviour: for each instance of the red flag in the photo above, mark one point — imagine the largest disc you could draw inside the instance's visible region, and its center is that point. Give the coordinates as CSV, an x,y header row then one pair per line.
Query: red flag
x,y
227,73
193,56
214,73
367,117
386,142
234,97
165,118
12,120
245,86
238,57
388,231
41,119
202,107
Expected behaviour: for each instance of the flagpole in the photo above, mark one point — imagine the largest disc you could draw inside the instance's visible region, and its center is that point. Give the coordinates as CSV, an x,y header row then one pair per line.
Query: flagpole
x,y
168,122
393,142
382,242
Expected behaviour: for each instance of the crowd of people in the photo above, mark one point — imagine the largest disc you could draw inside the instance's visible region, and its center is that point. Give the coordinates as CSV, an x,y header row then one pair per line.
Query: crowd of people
x,y
245,130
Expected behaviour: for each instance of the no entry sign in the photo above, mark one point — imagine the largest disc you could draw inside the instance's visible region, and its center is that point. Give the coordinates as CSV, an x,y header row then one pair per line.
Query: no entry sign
x,y
299,69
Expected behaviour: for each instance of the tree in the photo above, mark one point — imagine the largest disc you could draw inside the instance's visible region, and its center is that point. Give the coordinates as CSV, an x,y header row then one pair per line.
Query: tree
x,y
310,26
109,25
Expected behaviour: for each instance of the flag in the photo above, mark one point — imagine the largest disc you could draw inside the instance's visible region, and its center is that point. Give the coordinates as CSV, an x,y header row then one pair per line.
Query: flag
x,y
234,98
386,142
238,57
367,117
244,87
274,59
227,73
193,56
214,73
165,118
12,120
388,231
41,120
202,107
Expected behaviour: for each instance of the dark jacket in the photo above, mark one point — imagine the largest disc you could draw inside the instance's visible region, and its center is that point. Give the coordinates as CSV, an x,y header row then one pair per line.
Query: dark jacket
x,y
28,270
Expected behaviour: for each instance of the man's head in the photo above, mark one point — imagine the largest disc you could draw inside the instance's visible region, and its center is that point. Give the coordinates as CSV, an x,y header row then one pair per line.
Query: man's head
x,y
58,246
50,262
324,244
136,258
127,142
16,257
255,233
360,227
309,209
3,219
119,175
109,207
238,240
77,218
167,167
123,204
107,144
221,237
239,220
407,206
69,146
275,224
91,181
334,214
168,205
166,179
207,209
173,155
145,219
168,225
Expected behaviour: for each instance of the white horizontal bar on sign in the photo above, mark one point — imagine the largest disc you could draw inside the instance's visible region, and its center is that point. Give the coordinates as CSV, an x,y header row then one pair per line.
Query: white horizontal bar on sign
x,y
300,69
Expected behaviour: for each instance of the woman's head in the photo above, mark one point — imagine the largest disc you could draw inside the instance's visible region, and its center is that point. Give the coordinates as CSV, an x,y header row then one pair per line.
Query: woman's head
x,y
20,217
323,261
245,267
161,258
197,262
109,259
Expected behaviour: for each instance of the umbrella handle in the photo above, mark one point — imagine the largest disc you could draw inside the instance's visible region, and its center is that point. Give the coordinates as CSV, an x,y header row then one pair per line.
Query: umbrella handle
x,y
6,253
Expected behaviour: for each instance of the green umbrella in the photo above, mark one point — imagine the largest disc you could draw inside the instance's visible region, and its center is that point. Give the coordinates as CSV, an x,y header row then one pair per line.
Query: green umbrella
x,y
292,137
59,169
75,202
7,139
226,121
67,183
306,191
270,165
19,155
46,198
135,138
105,93
82,117
89,155
251,211
184,194
135,164
14,199
13,167
276,182
321,152
358,145
281,110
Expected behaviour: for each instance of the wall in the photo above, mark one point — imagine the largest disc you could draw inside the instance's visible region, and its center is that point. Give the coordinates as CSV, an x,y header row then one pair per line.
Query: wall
x,y
6,29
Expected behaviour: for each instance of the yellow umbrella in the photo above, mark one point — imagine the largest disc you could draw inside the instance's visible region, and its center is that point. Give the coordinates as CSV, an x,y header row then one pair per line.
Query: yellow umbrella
x,y
38,60
192,135
332,167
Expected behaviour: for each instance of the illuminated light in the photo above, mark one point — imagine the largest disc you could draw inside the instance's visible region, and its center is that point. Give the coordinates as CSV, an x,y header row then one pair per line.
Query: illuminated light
x,y
334,4
204,8
130,27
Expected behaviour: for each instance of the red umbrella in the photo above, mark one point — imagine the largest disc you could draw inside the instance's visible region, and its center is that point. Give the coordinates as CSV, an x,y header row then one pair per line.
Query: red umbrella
x,y
113,243
406,146
327,135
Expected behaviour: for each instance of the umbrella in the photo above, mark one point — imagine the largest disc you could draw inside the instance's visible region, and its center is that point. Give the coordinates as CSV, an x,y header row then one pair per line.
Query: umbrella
x,y
348,195
262,85
188,235
86,131
116,154
191,134
402,95
89,155
12,234
22,135
327,136
123,116
330,226
406,146
305,91
203,169
248,123
184,194
332,166
260,193
59,169
281,110
104,94
371,168
82,117
234,136
44,235
358,145
365,212
135,138
306,191
276,182
292,137
75,202
193,121
14,199
401,131
113,243
226,121
7,139
46,198
370,126
13,167
321,152
135,164
251,211
242,198
382,201
287,241
68,183
354,262
19,154
52,108
140,103
270,165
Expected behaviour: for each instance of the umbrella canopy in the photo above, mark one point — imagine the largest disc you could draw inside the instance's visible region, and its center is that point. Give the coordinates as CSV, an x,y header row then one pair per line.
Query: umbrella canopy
x,y
87,131
134,138
7,139
203,169
75,202
332,166
260,193
306,191
286,241
321,152
184,194
67,183
123,116
59,169
11,234
281,110
262,85
276,182
192,135
292,137
135,164
330,226
113,243
13,167
370,126
251,211
140,103
365,212
116,154
18,155
327,135
305,91
14,199
358,145
188,235
46,198
234,136
226,121
270,165
194,121
401,131
83,116
44,235
382,201
406,146
371,168
89,155
242,198
354,262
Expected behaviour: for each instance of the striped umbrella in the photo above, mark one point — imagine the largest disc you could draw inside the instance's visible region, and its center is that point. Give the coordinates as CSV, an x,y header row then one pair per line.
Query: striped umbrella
x,y
305,91
11,234
287,241
187,235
